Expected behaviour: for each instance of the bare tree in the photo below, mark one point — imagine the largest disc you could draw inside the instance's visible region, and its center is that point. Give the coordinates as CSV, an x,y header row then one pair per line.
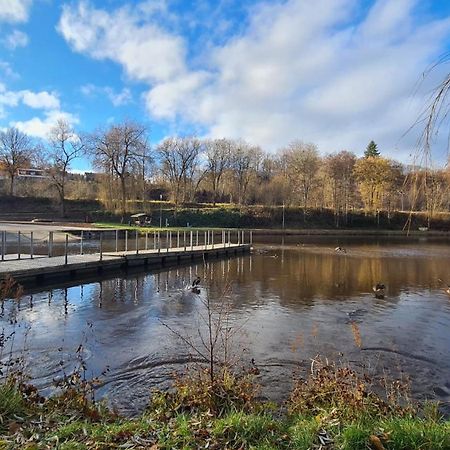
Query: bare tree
x,y
339,172
16,152
179,160
245,160
218,160
65,147
303,164
118,151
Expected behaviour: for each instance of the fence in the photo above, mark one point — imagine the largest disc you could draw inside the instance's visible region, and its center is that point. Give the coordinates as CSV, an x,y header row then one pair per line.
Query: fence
x,y
20,245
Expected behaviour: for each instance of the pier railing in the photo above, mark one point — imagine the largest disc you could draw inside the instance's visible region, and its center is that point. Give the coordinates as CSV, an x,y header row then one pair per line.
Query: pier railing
x,y
36,244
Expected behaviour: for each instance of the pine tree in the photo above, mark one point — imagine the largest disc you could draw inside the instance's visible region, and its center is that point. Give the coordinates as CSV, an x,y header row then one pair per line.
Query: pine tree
x,y
371,150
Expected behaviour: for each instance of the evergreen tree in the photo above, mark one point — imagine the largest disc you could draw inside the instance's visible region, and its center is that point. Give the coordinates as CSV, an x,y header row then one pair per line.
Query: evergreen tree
x,y
371,150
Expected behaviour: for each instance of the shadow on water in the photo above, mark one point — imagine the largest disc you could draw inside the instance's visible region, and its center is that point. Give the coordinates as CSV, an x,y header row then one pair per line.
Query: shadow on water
x,y
293,302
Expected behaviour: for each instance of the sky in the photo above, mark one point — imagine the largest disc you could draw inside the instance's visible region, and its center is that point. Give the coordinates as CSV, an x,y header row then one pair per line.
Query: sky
x,y
337,73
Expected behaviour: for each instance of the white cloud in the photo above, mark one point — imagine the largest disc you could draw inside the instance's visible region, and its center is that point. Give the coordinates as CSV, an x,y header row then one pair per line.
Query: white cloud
x,y
45,101
16,39
147,52
324,71
7,70
14,11
39,100
117,98
40,127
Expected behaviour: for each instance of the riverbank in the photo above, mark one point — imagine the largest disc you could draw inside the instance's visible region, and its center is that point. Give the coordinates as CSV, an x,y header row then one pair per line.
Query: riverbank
x,y
204,215
334,408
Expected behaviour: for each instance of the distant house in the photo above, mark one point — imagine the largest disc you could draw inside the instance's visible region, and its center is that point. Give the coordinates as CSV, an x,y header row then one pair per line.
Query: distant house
x,y
31,173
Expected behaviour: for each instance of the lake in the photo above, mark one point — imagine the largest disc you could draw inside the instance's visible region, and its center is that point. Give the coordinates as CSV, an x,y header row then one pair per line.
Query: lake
x,y
286,303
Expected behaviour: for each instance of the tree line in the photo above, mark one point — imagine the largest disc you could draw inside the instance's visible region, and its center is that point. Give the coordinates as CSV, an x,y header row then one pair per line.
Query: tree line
x,y
188,170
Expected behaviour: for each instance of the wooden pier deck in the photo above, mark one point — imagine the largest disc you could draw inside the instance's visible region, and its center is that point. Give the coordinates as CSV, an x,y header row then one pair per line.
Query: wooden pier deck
x,y
39,269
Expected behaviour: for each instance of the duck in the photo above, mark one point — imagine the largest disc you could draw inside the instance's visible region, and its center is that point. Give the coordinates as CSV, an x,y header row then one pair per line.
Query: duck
x,y
340,250
448,289
379,290
254,369
196,281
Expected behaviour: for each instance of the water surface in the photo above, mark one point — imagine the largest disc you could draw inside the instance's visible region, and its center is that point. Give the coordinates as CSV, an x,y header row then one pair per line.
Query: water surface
x,y
290,302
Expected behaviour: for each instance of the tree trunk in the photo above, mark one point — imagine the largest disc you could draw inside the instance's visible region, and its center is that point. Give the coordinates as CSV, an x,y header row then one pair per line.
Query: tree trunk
x,y
11,186
124,196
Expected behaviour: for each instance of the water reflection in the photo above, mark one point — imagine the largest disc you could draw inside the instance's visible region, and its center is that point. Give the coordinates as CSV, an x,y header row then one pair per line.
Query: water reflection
x,y
295,302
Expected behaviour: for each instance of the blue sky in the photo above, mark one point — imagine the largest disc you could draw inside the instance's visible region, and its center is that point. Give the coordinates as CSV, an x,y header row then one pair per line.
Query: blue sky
x,y
334,72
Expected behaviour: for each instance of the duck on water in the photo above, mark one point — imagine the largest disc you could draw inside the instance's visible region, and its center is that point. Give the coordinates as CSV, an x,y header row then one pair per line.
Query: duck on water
x,y
379,290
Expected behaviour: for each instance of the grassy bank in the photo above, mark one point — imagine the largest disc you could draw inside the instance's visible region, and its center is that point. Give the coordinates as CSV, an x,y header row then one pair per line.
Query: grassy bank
x,y
203,215
333,408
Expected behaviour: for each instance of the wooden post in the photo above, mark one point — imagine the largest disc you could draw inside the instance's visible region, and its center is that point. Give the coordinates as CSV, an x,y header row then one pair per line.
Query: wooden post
x,y
66,245
18,245
31,245
81,243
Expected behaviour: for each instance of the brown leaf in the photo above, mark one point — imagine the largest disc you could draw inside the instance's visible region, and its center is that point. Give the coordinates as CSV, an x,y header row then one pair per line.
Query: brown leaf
x,y
376,443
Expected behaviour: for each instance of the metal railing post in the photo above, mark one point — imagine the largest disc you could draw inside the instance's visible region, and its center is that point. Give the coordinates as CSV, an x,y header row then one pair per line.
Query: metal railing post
x,y
192,241
205,242
251,237
66,245
212,238
229,238
101,246
159,242
170,239
243,237
196,240
117,241
238,237
184,240
31,245
146,240
81,243
126,240
178,239
50,244
167,241
137,242
3,244
154,240
18,245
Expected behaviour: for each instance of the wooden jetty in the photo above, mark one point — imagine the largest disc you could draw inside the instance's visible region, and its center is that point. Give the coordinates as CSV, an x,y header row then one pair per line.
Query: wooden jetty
x,y
30,268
